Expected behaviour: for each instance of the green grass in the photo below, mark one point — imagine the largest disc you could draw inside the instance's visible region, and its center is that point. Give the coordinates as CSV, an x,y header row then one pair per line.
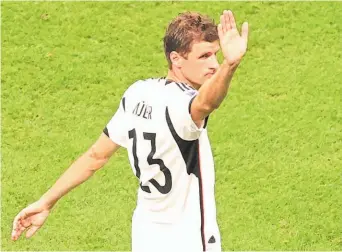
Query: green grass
x,y
276,139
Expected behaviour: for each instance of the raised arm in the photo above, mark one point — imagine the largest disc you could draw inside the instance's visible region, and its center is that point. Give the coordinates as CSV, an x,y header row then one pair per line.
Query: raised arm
x,y
213,91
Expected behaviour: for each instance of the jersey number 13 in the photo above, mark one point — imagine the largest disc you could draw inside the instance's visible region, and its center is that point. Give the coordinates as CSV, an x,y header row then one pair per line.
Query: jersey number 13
x,y
164,189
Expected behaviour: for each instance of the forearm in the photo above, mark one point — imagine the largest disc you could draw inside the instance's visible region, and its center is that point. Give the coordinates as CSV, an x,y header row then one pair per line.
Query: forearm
x,y
80,171
214,90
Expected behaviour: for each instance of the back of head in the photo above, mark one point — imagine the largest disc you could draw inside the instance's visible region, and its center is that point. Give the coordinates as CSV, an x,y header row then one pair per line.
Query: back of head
x,y
185,29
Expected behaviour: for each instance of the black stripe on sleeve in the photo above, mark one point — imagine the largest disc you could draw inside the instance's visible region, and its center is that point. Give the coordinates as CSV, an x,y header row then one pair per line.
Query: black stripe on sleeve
x,y
185,86
192,99
180,86
105,130
124,103
205,120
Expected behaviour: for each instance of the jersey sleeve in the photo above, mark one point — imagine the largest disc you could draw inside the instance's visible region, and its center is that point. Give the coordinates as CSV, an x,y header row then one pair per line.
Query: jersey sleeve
x,y
179,116
116,127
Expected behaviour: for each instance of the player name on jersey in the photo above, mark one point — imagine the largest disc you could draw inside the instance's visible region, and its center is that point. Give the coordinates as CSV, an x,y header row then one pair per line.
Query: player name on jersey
x,y
142,109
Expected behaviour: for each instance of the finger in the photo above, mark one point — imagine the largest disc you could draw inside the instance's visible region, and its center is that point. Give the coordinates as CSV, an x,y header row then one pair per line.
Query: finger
x,y
16,223
15,230
244,31
232,20
223,24
18,228
16,233
220,31
31,231
21,215
17,220
26,222
227,21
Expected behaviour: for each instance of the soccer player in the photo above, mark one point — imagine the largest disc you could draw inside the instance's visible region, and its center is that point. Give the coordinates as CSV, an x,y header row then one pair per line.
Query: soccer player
x,y
162,122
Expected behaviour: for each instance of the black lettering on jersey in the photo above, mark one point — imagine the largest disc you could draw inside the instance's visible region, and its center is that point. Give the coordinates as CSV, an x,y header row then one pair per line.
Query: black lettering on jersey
x,y
164,189
132,134
143,110
147,113
138,108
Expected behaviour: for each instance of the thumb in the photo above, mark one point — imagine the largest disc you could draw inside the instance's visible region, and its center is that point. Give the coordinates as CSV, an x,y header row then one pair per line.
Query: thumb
x,y
31,231
244,31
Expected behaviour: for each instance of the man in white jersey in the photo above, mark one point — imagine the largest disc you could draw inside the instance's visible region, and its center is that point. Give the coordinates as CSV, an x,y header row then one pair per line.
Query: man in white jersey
x,y
162,122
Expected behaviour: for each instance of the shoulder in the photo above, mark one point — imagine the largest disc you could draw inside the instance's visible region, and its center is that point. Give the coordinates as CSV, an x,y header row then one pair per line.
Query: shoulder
x,y
144,85
180,89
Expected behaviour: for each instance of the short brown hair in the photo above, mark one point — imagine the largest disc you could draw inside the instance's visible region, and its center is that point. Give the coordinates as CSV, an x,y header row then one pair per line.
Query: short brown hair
x,y
186,28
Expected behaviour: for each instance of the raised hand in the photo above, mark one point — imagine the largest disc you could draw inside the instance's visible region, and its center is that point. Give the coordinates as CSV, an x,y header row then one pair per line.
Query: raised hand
x,y
233,45
31,219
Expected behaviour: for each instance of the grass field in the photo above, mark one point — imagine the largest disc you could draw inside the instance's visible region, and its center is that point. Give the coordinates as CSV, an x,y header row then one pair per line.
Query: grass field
x,y
276,139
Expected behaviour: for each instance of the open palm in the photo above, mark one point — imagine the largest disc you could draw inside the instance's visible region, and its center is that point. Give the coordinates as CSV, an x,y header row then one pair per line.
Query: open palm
x,y
233,44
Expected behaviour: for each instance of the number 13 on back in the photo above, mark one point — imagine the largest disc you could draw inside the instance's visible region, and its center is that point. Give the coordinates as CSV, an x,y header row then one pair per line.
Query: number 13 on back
x,y
164,189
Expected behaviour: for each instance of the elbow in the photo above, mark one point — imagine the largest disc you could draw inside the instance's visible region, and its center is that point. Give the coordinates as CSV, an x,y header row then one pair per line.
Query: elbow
x,y
97,161
208,107
214,106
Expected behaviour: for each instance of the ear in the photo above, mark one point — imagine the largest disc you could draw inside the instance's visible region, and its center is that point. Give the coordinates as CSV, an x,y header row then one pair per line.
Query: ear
x,y
176,59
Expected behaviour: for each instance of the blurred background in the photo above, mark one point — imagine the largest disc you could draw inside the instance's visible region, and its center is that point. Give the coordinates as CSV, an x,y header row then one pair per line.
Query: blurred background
x,y
276,139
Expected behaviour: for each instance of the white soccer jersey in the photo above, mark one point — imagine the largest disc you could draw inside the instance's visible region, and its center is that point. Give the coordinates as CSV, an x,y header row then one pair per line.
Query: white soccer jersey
x,y
170,155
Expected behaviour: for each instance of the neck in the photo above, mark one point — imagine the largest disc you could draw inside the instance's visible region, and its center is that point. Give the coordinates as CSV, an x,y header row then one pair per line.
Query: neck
x,y
178,77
